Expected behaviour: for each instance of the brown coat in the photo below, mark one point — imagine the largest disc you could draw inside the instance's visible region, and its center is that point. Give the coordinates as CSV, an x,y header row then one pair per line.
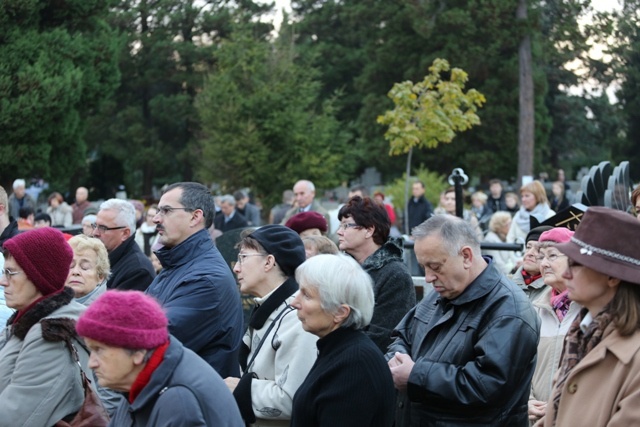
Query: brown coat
x,y
603,389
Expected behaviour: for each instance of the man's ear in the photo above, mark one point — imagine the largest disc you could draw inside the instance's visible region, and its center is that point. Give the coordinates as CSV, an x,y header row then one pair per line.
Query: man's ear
x,y
467,255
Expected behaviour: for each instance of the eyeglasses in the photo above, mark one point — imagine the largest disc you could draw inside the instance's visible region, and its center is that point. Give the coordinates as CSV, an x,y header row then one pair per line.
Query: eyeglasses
x,y
346,225
166,210
550,257
104,228
8,273
243,257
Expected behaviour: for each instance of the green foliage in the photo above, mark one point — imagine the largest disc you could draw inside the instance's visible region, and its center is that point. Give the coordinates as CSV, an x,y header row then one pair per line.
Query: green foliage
x,y
430,112
57,67
263,124
434,184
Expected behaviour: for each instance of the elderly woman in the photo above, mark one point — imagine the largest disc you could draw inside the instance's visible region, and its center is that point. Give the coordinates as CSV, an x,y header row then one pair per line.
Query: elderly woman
x,y
498,229
528,276
40,383
166,383
364,234
535,204
89,269
59,210
556,313
87,221
350,383
277,353
308,223
597,382
316,245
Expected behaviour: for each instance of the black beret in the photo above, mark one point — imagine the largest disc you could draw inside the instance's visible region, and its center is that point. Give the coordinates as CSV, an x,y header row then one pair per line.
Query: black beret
x,y
284,244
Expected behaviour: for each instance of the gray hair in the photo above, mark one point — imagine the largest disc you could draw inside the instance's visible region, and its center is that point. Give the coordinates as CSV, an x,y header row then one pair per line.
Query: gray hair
x,y
455,233
308,183
196,196
125,212
19,183
90,218
227,198
339,279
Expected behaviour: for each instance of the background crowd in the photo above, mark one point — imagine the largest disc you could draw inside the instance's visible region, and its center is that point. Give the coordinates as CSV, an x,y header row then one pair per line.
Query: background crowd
x,y
151,310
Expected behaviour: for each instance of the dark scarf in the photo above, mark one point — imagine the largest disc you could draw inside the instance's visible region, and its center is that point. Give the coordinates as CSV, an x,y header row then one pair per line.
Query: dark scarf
x,y
528,278
52,329
261,313
577,345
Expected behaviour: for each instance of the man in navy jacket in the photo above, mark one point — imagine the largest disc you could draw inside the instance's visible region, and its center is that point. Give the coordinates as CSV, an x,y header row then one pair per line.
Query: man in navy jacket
x,y
196,286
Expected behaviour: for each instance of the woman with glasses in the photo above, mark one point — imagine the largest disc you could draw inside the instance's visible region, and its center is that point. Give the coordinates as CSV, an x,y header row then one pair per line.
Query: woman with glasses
x,y
40,383
364,234
556,313
598,381
277,353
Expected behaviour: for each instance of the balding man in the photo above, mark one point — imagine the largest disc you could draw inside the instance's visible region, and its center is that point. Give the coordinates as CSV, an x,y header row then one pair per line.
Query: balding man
x,y
304,193
81,204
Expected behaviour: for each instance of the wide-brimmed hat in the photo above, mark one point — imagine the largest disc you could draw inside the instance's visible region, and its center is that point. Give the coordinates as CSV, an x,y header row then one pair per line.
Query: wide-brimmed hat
x,y
607,241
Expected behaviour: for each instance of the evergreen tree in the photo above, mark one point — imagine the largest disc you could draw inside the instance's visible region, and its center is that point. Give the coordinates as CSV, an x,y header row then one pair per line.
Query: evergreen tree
x,y
264,124
59,63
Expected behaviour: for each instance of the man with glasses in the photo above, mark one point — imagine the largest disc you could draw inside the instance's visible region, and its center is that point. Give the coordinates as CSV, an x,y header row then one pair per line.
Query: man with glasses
x,y
196,287
466,353
115,226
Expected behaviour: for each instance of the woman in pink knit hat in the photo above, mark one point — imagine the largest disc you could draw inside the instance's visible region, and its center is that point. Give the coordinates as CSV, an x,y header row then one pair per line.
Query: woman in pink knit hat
x,y
164,382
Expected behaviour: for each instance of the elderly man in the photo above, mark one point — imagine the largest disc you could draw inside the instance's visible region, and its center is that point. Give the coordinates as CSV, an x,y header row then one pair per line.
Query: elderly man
x,y
196,286
305,192
115,226
167,384
229,218
20,199
81,204
466,353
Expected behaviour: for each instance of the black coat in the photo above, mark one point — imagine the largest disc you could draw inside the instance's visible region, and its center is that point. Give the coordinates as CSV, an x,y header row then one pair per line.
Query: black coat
x,y
130,268
418,211
236,221
349,385
475,356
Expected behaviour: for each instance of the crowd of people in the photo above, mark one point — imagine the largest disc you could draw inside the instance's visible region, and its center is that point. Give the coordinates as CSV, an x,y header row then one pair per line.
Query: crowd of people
x,y
142,302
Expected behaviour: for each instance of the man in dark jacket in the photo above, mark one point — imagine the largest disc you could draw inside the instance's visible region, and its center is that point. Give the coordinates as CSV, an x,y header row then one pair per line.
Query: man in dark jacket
x,y
419,209
466,353
116,227
229,218
166,384
496,201
196,286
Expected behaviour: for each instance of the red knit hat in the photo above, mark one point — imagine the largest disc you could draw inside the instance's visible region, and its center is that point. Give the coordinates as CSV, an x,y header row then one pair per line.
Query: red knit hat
x,y
306,220
126,319
44,255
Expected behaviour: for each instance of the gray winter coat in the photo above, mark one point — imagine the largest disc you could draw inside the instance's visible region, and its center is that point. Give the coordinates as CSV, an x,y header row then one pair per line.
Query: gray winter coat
x,y
40,383
392,289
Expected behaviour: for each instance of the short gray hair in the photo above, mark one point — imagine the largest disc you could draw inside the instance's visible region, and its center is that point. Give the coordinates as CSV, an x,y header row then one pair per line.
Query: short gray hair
x,y
455,233
125,212
19,183
309,184
227,198
339,279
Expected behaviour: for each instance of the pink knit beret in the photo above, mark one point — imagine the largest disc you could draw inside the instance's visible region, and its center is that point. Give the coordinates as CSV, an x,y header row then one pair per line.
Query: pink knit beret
x,y
557,235
126,319
44,255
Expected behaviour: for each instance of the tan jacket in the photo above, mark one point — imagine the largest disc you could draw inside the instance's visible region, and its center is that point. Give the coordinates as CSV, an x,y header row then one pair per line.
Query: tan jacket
x,y
603,389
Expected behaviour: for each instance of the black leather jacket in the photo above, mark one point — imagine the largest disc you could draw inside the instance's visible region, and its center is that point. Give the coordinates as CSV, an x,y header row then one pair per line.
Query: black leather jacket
x,y
474,356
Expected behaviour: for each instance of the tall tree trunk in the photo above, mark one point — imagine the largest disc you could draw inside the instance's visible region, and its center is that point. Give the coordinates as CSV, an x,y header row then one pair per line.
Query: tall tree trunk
x,y
526,104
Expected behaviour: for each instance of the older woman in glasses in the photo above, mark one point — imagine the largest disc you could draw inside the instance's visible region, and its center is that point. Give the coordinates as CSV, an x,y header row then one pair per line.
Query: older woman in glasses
x,y
598,382
40,383
556,314
350,383
277,353
364,234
